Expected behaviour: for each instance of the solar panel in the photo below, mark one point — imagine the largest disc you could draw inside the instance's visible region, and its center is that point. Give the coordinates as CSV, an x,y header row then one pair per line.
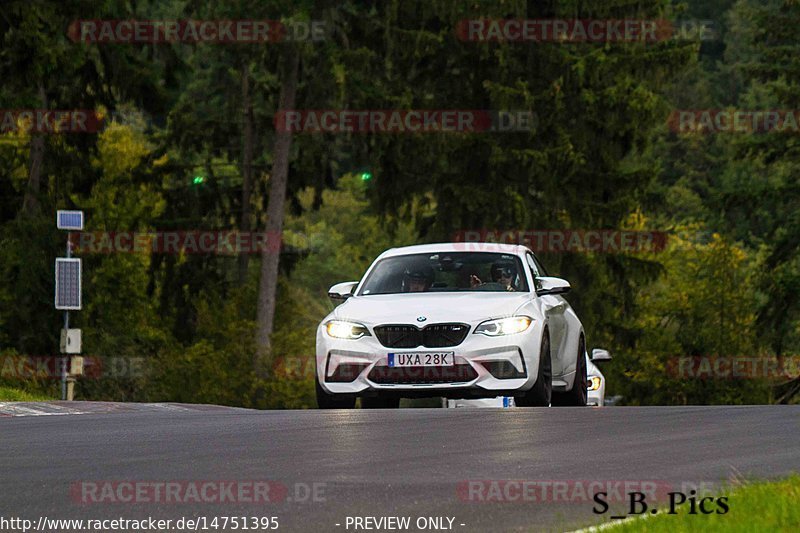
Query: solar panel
x,y
68,283
71,220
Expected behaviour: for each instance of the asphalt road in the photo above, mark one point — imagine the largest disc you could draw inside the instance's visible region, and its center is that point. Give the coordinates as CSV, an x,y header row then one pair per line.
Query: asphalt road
x,y
409,463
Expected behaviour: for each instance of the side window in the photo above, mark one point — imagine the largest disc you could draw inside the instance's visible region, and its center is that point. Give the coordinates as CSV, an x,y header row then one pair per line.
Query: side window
x,y
532,265
540,268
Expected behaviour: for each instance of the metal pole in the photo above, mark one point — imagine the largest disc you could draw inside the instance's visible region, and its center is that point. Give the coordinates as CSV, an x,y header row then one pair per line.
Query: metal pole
x,y
64,361
66,329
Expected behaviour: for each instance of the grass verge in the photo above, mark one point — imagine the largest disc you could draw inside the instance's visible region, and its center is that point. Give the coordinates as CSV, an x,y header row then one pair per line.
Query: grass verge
x,y
9,394
756,507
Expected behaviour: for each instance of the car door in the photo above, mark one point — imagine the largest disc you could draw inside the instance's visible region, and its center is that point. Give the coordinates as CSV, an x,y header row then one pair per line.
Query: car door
x,y
555,307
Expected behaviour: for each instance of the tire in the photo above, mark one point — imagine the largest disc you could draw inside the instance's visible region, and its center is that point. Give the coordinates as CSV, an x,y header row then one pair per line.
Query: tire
x,y
326,400
578,395
541,392
380,403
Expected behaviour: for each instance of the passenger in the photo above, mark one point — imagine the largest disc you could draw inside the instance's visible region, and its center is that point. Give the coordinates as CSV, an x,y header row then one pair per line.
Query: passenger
x,y
418,278
503,272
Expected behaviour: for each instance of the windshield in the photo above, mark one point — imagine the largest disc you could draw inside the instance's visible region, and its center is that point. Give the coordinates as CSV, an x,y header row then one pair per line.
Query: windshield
x,y
446,272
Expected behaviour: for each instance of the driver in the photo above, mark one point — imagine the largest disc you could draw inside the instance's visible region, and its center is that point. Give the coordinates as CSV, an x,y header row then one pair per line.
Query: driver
x,y
503,272
417,278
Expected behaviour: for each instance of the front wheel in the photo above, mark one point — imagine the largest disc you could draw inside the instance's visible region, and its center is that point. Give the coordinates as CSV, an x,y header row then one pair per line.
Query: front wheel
x,y
326,400
540,393
577,396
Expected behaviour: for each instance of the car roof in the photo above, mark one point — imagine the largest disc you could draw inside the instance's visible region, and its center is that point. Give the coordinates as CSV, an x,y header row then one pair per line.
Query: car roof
x,y
491,247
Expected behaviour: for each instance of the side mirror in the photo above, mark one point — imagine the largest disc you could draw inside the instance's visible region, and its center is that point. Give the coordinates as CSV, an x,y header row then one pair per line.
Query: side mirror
x,y
599,355
342,291
546,285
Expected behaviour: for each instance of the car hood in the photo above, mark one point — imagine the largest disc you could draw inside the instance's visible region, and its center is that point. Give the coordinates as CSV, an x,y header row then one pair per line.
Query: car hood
x,y
435,307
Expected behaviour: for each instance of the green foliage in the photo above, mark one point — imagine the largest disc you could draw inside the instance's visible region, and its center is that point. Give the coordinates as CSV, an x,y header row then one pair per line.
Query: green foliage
x,y
702,306
599,156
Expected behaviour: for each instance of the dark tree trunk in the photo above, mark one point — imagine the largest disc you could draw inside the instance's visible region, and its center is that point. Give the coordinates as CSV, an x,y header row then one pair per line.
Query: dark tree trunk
x,y
275,210
247,167
30,202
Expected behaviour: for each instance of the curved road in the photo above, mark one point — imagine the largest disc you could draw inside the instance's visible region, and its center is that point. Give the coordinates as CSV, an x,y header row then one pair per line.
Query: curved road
x,y
327,466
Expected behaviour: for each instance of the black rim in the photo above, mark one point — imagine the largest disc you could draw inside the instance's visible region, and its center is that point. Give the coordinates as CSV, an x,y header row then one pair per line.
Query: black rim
x,y
547,369
584,395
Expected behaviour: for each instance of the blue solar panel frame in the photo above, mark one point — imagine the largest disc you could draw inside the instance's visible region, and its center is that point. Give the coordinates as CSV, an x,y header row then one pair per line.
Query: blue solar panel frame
x,y
68,284
69,220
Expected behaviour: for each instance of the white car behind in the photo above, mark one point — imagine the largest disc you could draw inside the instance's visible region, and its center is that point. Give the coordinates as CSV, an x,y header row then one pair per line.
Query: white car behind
x,y
596,381
596,387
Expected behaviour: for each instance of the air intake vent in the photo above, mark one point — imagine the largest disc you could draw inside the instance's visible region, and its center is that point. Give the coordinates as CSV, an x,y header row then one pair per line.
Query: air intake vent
x,y
385,375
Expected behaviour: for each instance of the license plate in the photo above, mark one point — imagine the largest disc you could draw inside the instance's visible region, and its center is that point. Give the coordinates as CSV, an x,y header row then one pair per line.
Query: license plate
x,y
422,359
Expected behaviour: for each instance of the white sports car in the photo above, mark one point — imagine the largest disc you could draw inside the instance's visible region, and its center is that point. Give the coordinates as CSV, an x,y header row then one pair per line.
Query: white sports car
x,y
458,320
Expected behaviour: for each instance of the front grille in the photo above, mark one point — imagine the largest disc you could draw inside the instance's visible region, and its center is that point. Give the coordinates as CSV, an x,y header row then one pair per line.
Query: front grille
x,y
441,335
431,336
386,375
399,336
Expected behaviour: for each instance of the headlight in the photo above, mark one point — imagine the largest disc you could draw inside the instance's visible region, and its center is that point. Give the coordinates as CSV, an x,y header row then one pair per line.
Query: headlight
x,y
504,326
346,330
594,383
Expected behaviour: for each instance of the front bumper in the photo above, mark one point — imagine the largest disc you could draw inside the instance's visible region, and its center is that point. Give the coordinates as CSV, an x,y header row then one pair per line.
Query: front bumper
x,y
485,367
